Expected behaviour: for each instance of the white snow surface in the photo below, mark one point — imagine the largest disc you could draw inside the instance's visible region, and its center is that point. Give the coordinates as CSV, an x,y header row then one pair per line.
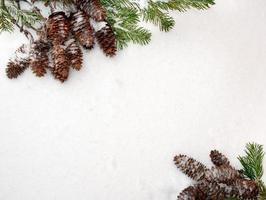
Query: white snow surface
x,y
111,131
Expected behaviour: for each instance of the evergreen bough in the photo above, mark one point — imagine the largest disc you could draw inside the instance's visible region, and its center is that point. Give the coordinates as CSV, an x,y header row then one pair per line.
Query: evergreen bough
x,y
124,16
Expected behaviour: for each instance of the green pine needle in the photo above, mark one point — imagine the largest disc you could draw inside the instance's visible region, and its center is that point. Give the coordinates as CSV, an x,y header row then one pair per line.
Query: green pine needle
x,y
252,162
5,21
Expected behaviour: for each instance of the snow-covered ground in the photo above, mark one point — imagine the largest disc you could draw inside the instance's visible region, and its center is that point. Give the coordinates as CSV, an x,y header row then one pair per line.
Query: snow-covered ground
x,y
111,131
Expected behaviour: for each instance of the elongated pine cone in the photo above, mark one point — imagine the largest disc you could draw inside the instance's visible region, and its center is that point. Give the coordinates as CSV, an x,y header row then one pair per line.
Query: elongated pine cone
x,y
106,39
58,27
191,167
189,193
39,59
60,68
96,10
19,63
82,29
218,158
75,55
14,69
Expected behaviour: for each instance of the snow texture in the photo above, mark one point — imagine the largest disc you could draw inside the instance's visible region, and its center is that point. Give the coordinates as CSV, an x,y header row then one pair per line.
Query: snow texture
x,y
112,130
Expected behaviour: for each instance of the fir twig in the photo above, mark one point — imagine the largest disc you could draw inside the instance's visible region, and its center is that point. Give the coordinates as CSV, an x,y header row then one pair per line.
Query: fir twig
x,y
252,164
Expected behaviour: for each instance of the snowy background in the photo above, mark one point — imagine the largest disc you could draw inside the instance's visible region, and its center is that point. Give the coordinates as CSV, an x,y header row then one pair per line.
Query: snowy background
x,y
112,130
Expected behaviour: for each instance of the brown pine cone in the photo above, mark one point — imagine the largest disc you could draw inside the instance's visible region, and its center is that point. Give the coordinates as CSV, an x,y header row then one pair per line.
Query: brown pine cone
x,y
39,59
83,5
223,174
58,28
106,39
82,29
19,63
191,167
189,193
75,55
60,68
218,158
14,69
245,189
96,10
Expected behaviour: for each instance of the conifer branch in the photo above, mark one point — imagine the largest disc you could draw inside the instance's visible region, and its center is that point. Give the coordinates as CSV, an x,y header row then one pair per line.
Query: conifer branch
x,y
124,16
252,164
111,24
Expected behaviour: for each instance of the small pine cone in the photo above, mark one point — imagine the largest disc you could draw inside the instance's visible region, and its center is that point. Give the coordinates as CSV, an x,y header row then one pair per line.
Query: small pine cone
x,y
97,12
190,167
19,63
106,39
190,193
75,55
60,68
82,29
58,28
218,158
14,69
39,59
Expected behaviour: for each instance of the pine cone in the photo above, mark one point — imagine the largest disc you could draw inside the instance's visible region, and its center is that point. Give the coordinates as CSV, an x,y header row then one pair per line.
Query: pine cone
x,y
82,29
39,59
218,158
14,69
19,63
189,193
83,5
97,12
210,190
191,167
60,69
223,174
57,28
75,55
245,189
106,39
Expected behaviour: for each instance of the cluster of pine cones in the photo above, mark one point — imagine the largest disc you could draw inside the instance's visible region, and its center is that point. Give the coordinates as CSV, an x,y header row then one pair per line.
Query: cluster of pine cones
x,y
58,45
220,182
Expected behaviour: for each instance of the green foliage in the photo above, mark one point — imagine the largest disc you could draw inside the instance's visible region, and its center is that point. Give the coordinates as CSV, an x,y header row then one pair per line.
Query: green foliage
x,y
157,12
11,14
22,16
5,21
157,15
123,16
252,164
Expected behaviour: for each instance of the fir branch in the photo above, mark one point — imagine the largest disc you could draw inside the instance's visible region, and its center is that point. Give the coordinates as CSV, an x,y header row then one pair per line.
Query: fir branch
x,y
155,14
5,20
124,16
137,35
184,5
24,17
252,162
